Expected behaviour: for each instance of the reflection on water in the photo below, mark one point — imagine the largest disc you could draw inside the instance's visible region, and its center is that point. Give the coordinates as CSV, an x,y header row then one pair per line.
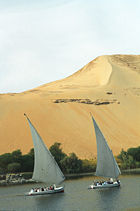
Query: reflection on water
x,y
77,197
52,202
108,198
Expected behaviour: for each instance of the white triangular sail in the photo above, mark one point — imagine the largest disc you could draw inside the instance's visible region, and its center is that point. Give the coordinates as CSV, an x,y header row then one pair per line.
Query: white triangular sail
x,y
106,163
45,167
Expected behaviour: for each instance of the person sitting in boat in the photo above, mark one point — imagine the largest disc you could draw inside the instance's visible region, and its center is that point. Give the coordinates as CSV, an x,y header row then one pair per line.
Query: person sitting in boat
x,y
118,181
110,181
95,183
105,183
32,190
100,183
51,187
35,189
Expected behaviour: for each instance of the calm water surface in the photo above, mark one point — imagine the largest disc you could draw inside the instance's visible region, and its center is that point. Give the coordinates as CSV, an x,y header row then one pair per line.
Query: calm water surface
x,y
76,197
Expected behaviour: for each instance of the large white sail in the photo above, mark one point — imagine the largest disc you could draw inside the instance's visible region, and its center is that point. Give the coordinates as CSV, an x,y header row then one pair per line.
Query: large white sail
x,y
106,163
45,167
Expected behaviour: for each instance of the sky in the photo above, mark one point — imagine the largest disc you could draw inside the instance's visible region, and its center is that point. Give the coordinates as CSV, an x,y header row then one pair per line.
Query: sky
x,y
43,41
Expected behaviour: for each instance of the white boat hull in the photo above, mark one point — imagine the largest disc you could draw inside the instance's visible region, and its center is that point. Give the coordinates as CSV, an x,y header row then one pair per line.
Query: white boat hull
x,y
99,186
40,192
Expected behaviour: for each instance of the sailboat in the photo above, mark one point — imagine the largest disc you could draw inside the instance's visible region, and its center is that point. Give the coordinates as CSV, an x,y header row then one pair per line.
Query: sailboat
x,y
106,164
46,169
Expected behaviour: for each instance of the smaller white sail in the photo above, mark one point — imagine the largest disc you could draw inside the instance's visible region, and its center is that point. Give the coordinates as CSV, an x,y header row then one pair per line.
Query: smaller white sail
x,y
106,163
45,167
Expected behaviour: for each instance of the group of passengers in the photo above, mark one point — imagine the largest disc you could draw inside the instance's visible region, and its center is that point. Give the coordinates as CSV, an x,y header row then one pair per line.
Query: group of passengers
x,y
52,187
110,181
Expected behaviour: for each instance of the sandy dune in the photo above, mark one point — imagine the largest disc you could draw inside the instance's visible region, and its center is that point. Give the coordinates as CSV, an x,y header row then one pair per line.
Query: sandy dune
x,y
108,86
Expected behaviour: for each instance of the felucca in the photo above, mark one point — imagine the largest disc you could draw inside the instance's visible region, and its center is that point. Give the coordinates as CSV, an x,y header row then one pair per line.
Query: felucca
x,y
46,169
106,164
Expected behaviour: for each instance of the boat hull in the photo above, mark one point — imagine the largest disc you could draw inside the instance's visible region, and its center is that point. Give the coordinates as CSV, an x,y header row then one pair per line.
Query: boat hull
x,y
115,184
45,192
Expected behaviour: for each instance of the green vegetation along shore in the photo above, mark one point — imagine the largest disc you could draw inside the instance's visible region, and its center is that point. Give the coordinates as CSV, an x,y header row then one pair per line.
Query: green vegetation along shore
x,y
14,163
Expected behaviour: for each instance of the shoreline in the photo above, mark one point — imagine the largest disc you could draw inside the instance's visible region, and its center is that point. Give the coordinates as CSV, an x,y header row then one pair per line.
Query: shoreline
x,y
131,171
123,172
21,181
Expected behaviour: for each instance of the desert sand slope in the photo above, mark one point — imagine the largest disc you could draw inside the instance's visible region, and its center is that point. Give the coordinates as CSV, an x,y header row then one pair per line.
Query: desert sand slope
x,y
108,86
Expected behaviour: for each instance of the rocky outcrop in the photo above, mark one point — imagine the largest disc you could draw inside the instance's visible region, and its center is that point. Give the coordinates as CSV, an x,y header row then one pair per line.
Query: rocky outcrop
x,y
14,179
87,101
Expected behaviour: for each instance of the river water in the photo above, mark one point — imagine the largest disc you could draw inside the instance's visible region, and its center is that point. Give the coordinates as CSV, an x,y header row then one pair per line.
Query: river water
x,y
77,197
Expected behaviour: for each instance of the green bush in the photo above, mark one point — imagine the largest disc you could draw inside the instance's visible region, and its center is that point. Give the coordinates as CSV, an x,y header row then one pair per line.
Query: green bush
x,y
71,164
135,153
130,159
27,163
88,165
16,162
14,167
57,152
5,159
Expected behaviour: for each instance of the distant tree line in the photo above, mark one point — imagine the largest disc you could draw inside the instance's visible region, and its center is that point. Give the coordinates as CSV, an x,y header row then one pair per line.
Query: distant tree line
x,y
129,159
71,163
16,162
